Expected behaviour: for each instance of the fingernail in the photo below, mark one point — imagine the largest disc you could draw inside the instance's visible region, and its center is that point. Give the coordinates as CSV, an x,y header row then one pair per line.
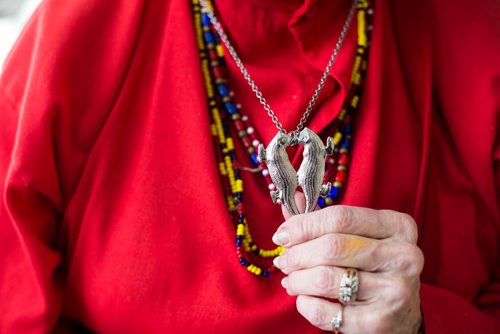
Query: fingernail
x,y
280,262
284,282
276,262
281,238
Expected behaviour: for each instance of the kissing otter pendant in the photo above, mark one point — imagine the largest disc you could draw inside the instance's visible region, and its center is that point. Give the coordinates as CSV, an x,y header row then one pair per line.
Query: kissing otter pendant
x,y
310,174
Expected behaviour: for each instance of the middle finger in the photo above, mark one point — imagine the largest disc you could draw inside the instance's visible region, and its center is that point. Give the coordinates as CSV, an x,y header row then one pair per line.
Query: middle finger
x,y
336,249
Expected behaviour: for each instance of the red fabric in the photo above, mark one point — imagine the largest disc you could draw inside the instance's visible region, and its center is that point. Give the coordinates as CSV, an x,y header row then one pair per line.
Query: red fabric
x,y
112,215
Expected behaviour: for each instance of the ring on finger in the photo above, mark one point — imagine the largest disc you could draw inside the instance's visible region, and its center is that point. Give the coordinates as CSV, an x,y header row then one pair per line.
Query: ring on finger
x,y
337,320
349,286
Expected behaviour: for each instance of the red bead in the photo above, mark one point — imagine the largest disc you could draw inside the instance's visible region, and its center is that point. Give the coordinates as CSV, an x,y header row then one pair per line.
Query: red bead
x,y
239,125
343,159
347,119
340,177
213,54
247,141
240,208
219,72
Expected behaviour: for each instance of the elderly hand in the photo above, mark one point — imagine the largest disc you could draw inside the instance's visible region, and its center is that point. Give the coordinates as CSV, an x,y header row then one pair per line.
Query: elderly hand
x,y
381,245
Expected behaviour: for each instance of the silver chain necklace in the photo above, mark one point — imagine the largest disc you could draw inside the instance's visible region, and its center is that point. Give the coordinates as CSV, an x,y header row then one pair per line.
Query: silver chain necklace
x,y
253,85
312,170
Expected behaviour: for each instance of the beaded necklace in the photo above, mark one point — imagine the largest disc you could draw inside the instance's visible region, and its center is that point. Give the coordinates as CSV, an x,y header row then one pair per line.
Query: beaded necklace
x,y
227,119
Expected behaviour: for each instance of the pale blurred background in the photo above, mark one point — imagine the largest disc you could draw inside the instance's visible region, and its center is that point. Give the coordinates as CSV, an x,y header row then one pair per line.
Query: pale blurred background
x,y
13,17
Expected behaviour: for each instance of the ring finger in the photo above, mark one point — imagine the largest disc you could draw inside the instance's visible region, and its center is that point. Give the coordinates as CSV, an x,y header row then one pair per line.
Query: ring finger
x,y
324,281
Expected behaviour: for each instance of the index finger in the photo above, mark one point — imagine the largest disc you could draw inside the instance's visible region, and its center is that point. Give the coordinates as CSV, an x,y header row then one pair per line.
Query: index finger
x,y
369,223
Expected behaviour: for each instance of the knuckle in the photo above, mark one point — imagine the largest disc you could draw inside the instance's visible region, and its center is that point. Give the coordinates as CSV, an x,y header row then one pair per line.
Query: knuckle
x,y
315,313
318,315
293,257
333,246
302,229
322,280
410,259
379,252
401,291
409,227
417,263
342,216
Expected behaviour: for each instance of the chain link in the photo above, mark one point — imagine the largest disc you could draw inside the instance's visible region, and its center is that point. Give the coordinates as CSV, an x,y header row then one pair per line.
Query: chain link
x,y
253,85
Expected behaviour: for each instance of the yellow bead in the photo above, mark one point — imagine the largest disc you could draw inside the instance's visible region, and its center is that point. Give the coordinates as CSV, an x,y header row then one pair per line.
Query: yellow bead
x,y
354,101
281,250
361,28
222,168
342,114
220,50
356,78
336,138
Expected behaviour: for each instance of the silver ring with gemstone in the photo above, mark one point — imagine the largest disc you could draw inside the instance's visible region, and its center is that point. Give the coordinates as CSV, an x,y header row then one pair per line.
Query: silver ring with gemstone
x,y
349,286
337,320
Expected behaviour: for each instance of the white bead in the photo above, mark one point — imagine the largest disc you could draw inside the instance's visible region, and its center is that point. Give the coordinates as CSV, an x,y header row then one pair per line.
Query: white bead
x,y
265,172
238,106
244,118
331,161
271,186
255,142
250,130
231,93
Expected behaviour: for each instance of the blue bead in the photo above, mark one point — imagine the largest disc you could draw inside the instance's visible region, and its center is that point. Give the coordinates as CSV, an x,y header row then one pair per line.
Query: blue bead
x,y
334,192
254,158
321,202
348,129
231,108
205,19
208,36
223,90
265,273
346,143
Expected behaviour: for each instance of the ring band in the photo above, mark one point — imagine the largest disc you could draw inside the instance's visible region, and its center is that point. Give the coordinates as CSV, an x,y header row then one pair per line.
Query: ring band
x,y
337,320
349,286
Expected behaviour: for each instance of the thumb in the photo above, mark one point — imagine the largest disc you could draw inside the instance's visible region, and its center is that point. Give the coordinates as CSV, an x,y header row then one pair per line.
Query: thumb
x,y
300,200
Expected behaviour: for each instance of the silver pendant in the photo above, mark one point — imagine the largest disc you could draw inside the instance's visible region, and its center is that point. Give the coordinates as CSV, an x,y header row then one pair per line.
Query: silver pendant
x,y
312,169
310,174
281,171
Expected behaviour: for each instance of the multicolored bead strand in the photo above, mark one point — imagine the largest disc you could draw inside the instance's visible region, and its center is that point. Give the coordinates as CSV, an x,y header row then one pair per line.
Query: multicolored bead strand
x,y
225,112
338,164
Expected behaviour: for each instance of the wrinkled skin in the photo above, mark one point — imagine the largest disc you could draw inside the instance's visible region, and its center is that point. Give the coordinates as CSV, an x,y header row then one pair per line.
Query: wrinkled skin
x,y
381,244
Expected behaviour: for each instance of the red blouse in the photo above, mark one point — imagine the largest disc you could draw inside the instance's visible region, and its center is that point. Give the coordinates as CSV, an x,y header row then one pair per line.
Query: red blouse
x,y
113,217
